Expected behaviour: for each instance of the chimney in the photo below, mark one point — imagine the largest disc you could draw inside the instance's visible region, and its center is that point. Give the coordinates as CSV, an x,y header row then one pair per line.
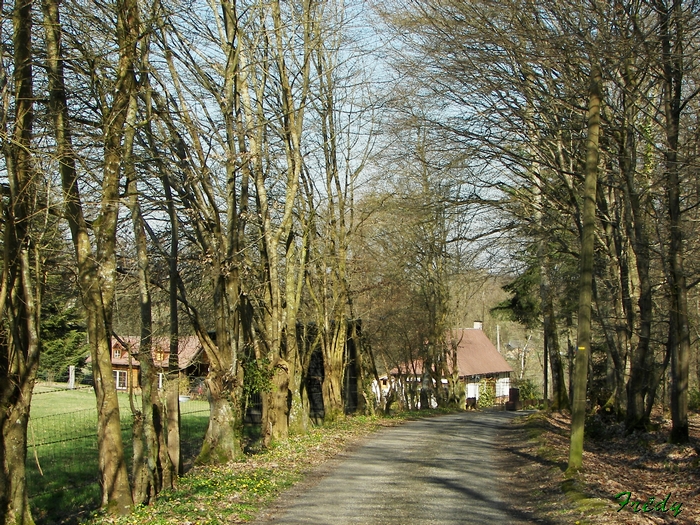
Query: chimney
x,y
478,325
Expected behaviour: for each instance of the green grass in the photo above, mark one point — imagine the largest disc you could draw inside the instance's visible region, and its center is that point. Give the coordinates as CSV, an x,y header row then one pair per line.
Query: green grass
x,y
62,459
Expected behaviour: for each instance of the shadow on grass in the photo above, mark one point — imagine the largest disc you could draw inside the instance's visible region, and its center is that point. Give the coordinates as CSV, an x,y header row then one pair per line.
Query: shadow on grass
x,y
561,465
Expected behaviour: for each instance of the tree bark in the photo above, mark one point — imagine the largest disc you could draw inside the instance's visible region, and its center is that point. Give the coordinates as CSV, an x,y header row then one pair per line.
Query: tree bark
x,y
278,398
560,399
19,299
147,469
169,422
222,440
333,347
638,383
671,35
578,415
172,395
97,270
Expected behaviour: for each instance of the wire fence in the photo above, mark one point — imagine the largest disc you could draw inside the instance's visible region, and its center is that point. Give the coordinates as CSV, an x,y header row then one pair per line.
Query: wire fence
x,y
62,455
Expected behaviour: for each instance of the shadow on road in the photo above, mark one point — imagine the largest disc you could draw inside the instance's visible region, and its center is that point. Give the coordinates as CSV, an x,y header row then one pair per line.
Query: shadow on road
x,y
440,470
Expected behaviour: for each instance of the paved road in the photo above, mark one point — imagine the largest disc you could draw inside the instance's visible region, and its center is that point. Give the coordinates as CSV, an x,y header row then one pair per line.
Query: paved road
x,y
433,471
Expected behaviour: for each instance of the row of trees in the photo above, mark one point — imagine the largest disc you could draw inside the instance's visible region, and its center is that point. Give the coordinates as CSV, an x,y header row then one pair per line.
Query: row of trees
x,y
509,85
206,156
212,157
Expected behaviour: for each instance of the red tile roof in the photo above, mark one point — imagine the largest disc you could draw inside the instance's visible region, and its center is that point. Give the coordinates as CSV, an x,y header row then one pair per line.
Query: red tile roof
x,y
476,355
189,350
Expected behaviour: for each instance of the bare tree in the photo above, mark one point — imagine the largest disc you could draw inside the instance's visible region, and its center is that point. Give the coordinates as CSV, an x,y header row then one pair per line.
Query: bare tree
x,y
150,465
344,131
97,266
578,414
20,298
672,22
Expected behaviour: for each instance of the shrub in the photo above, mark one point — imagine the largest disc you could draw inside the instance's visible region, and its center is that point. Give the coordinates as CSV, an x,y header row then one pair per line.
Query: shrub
x,y
528,390
184,384
487,393
694,399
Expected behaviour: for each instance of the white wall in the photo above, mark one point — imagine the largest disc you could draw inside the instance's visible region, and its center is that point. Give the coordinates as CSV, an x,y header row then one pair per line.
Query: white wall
x,y
473,390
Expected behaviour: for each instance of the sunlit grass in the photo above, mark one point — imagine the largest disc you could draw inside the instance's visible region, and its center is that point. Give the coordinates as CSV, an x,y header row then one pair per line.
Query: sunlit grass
x,y
62,458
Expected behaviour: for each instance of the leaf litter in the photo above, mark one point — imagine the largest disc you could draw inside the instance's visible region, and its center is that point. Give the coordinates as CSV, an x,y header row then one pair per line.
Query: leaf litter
x,y
644,464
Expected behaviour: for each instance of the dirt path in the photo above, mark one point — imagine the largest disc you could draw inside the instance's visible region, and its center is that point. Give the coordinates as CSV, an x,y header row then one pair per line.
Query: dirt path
x,y
440,470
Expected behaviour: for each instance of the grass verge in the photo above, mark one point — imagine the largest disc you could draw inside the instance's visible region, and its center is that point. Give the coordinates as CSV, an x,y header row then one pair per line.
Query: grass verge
x,y
238,491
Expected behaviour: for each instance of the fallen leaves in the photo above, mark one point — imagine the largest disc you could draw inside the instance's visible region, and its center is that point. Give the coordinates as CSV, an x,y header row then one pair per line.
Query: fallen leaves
x,y
644,464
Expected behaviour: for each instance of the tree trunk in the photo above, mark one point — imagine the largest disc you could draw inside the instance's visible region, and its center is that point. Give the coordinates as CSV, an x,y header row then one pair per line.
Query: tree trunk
x,y
545,386
172,395
611,313
333,347
299,416
560,399
640,360
13,483
222,439
172,413
671,35
147,468
19,299
96,274
278,404
168,423
116,492
578,415
222,442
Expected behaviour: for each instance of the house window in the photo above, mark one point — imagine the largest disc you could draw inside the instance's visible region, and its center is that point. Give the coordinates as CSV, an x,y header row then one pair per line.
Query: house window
x,y
117,352
120,379
160,355
502,387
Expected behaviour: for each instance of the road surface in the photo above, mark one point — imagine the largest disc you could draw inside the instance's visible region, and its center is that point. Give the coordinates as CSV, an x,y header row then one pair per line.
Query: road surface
x,y
439,470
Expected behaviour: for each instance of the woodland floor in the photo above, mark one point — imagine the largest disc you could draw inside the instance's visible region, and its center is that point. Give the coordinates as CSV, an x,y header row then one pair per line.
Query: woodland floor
x,y
646,465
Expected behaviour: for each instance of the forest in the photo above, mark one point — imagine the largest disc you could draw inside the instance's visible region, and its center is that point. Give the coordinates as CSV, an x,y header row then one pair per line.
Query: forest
x,y
280,179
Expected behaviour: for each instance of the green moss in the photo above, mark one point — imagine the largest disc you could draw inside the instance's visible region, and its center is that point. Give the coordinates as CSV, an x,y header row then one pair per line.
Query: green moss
x,y
583,502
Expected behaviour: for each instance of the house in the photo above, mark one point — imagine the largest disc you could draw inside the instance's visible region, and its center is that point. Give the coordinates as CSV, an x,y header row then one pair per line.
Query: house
x,y
192,360
477,359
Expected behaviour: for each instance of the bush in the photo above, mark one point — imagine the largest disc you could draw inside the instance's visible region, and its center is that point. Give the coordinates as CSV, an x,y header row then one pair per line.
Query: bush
x,y
184,384
595,427
694,399
528,390
487,393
